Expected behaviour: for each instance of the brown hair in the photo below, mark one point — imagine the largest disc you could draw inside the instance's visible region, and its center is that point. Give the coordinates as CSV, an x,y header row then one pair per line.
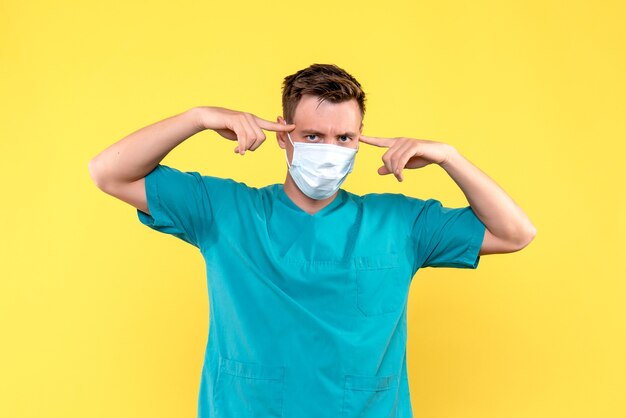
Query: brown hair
x,y
327,81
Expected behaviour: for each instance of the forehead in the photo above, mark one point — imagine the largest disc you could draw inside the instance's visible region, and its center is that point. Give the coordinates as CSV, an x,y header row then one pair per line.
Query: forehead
x,y
327,116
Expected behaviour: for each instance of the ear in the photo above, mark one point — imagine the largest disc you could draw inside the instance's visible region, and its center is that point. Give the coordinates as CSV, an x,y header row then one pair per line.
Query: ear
x,y
281,137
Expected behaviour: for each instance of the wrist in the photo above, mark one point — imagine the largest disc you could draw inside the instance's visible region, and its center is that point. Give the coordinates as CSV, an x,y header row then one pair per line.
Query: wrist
x,y
197,114
450,154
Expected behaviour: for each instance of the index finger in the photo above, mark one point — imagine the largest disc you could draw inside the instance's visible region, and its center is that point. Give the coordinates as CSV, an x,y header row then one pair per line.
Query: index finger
x,y
374,140
273,126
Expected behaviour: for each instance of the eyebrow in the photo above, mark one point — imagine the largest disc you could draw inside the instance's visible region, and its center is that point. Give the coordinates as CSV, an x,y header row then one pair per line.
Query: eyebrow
x,y
314,132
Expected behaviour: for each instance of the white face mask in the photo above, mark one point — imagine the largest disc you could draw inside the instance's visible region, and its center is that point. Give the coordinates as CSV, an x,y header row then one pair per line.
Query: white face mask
x,y
319,169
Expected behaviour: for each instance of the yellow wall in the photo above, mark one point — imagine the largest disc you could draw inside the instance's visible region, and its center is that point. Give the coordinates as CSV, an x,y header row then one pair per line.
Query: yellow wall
x,y
102,317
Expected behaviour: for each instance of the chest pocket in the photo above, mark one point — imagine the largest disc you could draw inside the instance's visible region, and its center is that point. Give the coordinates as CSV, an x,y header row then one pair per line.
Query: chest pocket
x,y
381,287
248,389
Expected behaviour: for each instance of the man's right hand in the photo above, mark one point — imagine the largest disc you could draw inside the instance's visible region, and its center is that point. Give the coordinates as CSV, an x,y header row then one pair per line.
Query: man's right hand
x,y
243,127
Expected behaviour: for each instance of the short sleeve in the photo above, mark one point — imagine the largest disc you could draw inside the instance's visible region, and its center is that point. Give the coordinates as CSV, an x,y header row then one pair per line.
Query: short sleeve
x,y
179,204
446,237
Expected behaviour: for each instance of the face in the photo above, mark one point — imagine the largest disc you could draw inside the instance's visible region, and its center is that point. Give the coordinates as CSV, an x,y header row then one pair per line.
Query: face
x,y
323,123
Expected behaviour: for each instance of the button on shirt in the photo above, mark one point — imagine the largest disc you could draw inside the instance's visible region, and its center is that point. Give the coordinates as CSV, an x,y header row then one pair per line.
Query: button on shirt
x,y
307,312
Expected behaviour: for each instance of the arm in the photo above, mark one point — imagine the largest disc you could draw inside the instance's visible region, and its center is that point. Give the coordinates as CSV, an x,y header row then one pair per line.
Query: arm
x,y
120,169
508,229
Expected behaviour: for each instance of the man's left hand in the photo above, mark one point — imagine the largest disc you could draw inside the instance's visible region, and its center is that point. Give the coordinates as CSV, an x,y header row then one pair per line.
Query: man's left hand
x,y
408,153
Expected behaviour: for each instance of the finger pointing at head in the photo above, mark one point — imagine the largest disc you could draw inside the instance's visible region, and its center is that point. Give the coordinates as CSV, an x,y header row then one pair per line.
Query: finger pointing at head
x,y
379,142
274,126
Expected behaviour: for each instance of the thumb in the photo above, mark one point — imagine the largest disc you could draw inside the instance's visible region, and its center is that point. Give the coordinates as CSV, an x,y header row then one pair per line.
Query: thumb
x,y
383,171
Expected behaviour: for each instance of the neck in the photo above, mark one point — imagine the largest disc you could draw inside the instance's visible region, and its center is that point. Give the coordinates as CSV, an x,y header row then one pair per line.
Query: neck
x,y
304,202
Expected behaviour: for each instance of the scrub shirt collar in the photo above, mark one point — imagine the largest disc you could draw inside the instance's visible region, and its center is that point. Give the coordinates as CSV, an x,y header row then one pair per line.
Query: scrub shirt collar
x,y
338,201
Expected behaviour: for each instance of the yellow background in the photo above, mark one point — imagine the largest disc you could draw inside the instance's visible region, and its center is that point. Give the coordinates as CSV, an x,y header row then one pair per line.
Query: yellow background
x,y
102,317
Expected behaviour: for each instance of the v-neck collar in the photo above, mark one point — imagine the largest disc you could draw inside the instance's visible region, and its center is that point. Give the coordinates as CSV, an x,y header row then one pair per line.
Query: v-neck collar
x,y
337,201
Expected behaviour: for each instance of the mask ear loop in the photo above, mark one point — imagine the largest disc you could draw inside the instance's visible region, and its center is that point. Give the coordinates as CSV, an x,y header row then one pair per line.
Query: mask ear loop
x,y
294,149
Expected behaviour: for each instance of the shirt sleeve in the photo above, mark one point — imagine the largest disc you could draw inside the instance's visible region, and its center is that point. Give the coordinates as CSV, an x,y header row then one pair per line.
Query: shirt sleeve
x,y
446,237
179,203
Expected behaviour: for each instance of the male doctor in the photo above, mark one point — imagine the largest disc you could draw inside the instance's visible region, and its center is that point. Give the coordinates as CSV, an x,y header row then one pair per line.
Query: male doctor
x,y
308,283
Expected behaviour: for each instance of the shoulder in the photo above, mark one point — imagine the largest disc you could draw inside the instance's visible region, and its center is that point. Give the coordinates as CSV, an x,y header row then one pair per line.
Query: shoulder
x,y
224,191
196,185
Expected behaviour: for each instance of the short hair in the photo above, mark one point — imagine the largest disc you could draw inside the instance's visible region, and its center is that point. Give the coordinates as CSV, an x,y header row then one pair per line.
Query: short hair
x,y
327,81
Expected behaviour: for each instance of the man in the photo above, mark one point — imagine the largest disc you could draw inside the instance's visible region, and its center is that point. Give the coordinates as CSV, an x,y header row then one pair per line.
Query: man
x,y
308,283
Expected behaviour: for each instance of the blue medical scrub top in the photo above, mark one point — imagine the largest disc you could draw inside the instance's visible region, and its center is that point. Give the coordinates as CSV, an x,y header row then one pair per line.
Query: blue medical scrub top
x,y
307,312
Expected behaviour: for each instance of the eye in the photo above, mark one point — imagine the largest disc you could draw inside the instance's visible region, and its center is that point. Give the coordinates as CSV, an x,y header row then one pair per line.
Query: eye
x,y
347,138
307,136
